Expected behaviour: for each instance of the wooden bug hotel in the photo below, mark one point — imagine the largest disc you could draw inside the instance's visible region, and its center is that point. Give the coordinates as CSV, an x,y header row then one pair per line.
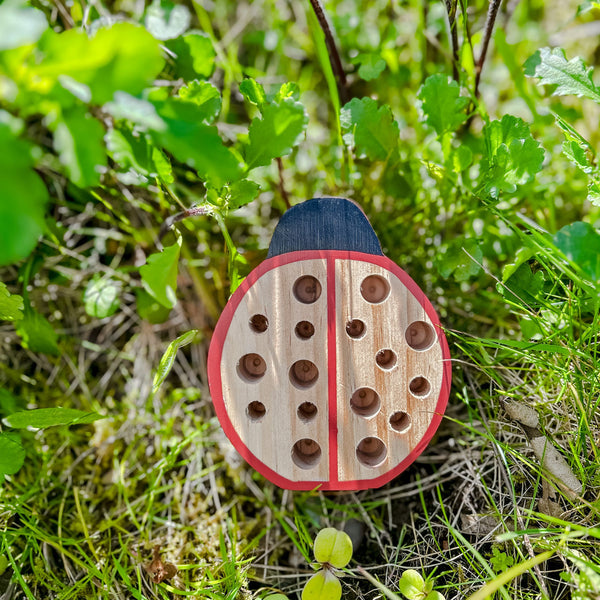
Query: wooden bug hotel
x,y
328,367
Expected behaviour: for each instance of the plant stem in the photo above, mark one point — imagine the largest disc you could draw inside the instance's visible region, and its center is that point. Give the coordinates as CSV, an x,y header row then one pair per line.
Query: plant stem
x,y
334,57
489,27
451,8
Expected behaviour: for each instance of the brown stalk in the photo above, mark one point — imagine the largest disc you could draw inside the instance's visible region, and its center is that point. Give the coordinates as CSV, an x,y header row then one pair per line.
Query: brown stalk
x,y
489,28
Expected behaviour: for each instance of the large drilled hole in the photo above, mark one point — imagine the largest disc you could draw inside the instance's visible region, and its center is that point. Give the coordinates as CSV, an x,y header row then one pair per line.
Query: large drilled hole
x,y
307,289
306,453
304,373
386,359
374,289
371,451
400,421
419,386
251,367
256,410
305,330
420,335
365,402
259,323
355,328
307,411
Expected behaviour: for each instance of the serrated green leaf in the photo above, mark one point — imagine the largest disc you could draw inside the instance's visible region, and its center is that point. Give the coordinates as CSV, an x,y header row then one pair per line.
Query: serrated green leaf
x,y
194,55
570,76
371,66
78,139
12,453
594,192
20,25
159,275
241,193
577,155
166,21
323,585
42,418
11,305
253,92
138,111
442,104
276,133
204,95
580,243
462,258
168,358
101,297
372,130
411,584
37,334
513,157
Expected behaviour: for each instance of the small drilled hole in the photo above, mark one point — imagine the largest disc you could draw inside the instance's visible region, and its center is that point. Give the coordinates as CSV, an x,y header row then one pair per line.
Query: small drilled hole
x,y
400,421
259,323
256,410
306,453
307,289
304,373
375,289
355,328
371,452
251,367
307,411
419,386
386,359
305,330
365,402
420,335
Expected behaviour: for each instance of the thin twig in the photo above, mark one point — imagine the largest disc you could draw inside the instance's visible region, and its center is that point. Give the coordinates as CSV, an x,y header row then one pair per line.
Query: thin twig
x,y
194,211
451,8
282,190
489,27
334,57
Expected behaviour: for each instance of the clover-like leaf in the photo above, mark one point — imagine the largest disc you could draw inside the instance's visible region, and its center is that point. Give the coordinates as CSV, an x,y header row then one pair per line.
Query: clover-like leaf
x,y
442,104
333,547
101,297
165,20
323,585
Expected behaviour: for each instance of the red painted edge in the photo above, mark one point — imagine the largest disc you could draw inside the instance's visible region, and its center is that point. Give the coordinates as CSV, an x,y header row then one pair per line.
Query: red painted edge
x,y
216,350
332,380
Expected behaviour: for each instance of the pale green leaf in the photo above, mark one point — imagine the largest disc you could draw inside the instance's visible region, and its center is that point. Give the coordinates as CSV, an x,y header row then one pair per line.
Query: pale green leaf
x,y
101,297
411,584
11,305
577,155
323,585
41,418
149,308
194,55
159,275
253,92
371,66
461,258
443,106
20,24
204,95
165,20
241,193
334,547
12,453
138,111
168,358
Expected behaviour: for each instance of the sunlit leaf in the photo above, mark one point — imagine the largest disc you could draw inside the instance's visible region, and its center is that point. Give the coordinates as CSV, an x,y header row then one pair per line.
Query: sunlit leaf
x,y
165,20
101,297
371,66
253,92
204,95
412,585
41,418
334,547
11,305
443,106
323,585
241,193
159,275
194,55
168,358
20,24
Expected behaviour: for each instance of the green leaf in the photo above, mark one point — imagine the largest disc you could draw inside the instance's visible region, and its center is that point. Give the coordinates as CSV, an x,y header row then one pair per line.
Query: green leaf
x,y
204,95
279,130
443,106
462,258
253,92
523,286
289,89
594,192
23,199
20,24
434,596
159,275
194,56
323,585
101,297
241,193
580,243
513,157
411,584
165,20
150,309
9,403
373,131
168,358
12,453
141,112
78,139
130,151
577,155
570,76
37,334
11,305
371,66
42,418
334,547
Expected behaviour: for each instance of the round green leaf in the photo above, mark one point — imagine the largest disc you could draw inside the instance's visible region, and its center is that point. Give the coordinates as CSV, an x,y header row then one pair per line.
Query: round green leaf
x,y
333,547
323,585
412,585
12,454
101,298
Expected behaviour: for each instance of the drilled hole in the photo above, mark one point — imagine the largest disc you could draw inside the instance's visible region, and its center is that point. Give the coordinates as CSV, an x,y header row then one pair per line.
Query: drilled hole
x,y
420,335
304,373
259,323
251,367
355,328
365,402
307,411
307,289
256,410
371,452
306,453
386,359
375,289
305,330
419,386
400,421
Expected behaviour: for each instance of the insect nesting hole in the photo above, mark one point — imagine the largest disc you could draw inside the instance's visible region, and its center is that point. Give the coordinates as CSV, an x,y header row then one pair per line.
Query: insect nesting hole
x,y
365,402
307,289
420,335
375,289
371,452
251,367
304,373
306,453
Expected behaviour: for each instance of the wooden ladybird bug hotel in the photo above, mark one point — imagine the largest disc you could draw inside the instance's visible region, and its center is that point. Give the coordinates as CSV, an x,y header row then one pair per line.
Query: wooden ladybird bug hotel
x,y
328,367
